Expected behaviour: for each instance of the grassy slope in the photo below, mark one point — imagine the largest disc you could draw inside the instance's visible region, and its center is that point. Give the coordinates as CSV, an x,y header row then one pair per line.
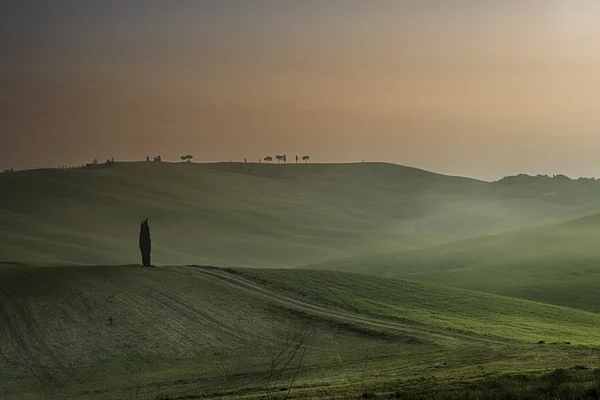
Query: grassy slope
x,y
123,332
557,264
435,306
235,214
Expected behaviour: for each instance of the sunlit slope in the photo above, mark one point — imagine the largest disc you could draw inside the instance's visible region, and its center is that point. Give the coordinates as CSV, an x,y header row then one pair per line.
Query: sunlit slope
x,y
102,332
234,214
434,308
558,264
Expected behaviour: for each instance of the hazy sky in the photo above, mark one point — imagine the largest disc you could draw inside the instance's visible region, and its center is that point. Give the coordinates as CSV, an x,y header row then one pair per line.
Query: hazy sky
x,y
478,88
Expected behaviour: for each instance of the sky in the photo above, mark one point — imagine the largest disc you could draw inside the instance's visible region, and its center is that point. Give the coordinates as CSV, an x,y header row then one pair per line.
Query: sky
x,y
476,88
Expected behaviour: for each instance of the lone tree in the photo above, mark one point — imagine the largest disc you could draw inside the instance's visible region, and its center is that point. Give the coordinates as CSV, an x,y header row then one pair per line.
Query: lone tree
x,y
305,159
268,159
296,159
145,242
187,158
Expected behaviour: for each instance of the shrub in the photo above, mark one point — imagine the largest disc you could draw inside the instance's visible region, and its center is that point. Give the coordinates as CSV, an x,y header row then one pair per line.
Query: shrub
x,y
145,242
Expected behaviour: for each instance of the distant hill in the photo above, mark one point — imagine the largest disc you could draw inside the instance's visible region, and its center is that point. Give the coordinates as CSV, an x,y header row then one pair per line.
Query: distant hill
x,y
557,264
269,215
557,188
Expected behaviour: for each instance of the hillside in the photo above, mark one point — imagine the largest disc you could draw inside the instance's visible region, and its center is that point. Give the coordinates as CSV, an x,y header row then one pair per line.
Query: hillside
x,y
557,264
233,214
558,189
192,332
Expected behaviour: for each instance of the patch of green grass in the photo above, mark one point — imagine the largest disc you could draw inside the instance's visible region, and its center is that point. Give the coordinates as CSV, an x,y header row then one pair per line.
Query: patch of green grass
x,y
556,264
437,307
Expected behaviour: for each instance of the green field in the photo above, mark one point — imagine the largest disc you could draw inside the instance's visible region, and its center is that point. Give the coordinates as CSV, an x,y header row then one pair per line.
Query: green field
x,y
193,332
274,215
556,264
297,281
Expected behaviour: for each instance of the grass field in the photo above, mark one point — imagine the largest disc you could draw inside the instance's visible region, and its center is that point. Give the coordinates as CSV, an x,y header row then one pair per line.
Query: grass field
x,y
256,215
366,281
194,332
556,264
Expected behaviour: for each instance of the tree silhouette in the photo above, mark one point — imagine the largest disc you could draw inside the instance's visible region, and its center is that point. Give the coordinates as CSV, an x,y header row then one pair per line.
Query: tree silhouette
x,y
182,158
279,158
285,158
296,159
268,159
145,242
305,159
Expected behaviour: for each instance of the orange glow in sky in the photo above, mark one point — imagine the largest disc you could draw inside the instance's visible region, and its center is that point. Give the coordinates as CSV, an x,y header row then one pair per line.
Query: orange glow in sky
x,y
481,89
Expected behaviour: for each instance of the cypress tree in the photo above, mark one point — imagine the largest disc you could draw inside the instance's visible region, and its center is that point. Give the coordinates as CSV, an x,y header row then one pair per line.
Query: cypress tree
x,y
145,243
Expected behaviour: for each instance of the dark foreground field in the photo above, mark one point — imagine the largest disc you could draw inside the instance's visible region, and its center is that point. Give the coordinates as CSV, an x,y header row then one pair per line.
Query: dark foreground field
x,y
199,332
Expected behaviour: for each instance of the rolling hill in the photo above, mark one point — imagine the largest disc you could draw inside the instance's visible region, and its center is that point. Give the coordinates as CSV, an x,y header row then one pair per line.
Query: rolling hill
x,y
237,214
192,332
512,257
556,264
